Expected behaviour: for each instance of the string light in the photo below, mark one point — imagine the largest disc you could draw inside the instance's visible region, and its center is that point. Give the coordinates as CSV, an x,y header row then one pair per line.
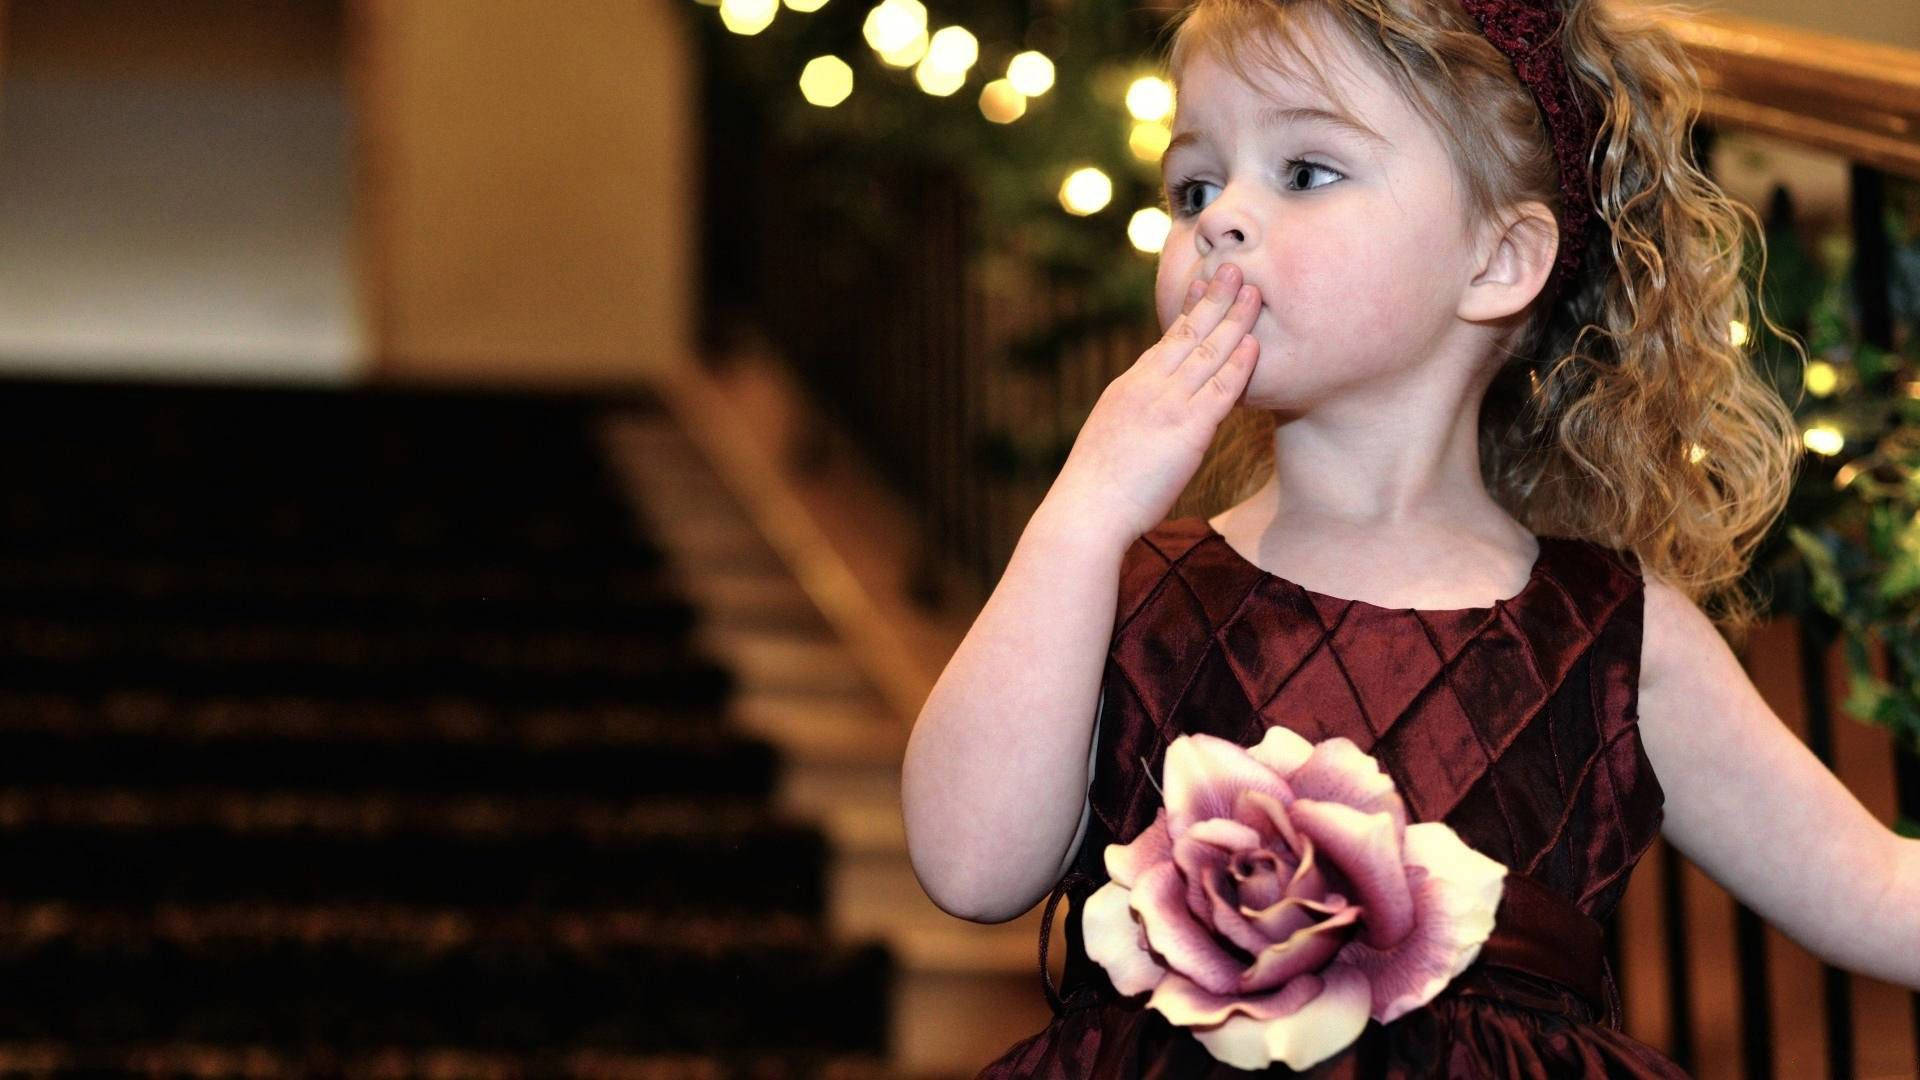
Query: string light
x,y
1824,439
826,81
892,25
1031,73
1147,229
748,17
1150,98
1822,377
1149,140
1086,191
1001,103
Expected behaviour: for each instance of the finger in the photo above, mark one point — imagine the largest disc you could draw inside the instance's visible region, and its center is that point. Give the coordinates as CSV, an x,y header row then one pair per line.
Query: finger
x,y
1192,328
1194,292
1224,387
1213,351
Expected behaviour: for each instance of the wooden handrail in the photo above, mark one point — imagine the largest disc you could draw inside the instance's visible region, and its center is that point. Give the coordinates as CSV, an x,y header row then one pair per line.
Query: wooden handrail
x,y
1857,99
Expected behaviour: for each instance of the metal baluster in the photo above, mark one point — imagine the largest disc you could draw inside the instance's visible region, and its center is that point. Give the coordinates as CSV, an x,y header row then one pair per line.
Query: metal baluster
x,y
1816,637
1673,911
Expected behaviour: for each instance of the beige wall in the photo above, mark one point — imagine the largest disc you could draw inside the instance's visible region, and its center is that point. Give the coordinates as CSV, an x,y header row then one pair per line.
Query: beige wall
x,y
1887,22
529,200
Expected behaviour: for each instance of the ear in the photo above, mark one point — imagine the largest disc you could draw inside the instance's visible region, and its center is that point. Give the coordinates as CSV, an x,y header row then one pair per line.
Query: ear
x,y
1515,257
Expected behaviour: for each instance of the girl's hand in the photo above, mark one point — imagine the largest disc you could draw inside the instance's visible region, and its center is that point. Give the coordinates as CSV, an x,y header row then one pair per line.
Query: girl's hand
x,y
1147,434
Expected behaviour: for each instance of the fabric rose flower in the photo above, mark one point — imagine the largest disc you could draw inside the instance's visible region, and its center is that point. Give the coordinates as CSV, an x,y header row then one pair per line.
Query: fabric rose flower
x,y
1280,899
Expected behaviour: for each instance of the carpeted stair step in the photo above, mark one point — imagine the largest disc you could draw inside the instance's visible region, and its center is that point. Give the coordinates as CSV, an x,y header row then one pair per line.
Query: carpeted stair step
x,y
702,762
343,592
382,978
123,848
76,655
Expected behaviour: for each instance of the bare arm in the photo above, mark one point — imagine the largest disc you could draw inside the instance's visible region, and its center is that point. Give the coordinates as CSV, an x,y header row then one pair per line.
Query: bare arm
x,y
995,775
996,769
1764,817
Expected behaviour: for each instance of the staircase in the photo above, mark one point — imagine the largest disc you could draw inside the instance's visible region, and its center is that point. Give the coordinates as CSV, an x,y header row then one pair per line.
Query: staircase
x,y
372,734
718,490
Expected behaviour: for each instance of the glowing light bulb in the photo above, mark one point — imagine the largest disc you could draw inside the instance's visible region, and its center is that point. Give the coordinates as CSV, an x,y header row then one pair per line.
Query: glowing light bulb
x,y
953,48
826,81
907,55
1031,73
1149,140
936,80
1822,377
1824,439
1695,452
1737,333
748,17
893,24
1001,103
1147,229
1086,191
1150,98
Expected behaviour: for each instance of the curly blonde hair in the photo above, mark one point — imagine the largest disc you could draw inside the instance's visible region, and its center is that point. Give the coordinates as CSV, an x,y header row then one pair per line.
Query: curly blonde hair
x,y
1623,412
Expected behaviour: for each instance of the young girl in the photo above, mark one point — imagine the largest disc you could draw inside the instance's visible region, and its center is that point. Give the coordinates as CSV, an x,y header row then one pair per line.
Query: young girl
x,y
1451,302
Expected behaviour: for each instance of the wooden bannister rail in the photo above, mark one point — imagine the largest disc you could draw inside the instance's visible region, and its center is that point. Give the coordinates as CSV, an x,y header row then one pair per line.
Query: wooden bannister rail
x,y
1856,99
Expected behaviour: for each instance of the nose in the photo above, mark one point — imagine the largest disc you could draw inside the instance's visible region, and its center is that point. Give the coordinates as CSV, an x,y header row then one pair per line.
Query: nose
x,y
1227,224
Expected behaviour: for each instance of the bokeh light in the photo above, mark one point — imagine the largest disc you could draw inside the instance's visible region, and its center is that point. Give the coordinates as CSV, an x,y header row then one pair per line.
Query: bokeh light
x,y
1031,73
1086,191
1001,103
1147,229
1150,98
748,17
826,81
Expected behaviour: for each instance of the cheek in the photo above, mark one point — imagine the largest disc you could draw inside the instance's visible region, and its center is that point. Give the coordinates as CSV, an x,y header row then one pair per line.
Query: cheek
x,y
1169,293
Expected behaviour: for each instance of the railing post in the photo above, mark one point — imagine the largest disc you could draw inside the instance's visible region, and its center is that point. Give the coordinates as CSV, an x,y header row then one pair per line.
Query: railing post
x,y
1817,631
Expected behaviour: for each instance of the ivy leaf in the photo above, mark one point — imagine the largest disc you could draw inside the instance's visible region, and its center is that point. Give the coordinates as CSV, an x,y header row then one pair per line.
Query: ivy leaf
x,y
1902,575
1824,574
1868,695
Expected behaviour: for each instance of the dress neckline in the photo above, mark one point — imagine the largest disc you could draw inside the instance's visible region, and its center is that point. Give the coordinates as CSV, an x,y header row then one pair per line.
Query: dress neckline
x,y
1534,576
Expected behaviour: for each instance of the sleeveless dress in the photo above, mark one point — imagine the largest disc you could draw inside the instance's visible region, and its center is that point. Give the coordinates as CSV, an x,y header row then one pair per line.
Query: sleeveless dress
x,y
1515,724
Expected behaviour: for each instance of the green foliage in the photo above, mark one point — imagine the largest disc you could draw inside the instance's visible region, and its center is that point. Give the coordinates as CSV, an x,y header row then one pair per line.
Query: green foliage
x,y
1854,524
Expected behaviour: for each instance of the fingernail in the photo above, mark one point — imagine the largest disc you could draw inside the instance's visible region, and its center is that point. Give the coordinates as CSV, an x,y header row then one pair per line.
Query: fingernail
x,y
1246,293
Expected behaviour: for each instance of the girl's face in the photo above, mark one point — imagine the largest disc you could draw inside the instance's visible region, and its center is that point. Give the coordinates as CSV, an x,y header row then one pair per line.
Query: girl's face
x,y
1355,240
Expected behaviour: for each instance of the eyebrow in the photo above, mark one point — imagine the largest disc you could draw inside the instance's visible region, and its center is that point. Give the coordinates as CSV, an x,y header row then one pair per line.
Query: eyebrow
x,y
1277,116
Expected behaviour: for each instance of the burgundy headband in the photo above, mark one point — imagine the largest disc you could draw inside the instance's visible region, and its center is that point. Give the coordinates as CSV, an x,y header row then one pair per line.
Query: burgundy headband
x,y
1528,32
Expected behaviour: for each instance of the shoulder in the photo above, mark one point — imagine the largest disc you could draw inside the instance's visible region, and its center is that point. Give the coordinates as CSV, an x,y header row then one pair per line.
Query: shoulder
x,y
1680,648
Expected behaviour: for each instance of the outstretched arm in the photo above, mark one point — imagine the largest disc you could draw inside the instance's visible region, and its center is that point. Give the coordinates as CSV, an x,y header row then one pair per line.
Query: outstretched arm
x,y
1754,808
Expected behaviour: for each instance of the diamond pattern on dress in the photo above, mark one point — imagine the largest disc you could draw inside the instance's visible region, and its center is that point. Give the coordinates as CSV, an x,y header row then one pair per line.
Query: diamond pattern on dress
x,y
1513,723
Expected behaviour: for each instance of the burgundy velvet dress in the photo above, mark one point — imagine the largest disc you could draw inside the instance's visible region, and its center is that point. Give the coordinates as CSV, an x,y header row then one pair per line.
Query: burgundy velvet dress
x,y
1514,724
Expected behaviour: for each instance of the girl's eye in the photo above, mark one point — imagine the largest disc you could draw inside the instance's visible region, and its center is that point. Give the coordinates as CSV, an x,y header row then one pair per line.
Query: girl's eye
x,y
1295,168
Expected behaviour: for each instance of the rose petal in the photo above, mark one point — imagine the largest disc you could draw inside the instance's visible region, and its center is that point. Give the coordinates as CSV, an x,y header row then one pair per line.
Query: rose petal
x,y
1290,916
1227,918
1115,941
1281,749
1183,944
1339,772
1308,950
1126,862
1453,913
1200,862
1267,816
1185,1002
1204,775
1363,847
1301,1038
1258,880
